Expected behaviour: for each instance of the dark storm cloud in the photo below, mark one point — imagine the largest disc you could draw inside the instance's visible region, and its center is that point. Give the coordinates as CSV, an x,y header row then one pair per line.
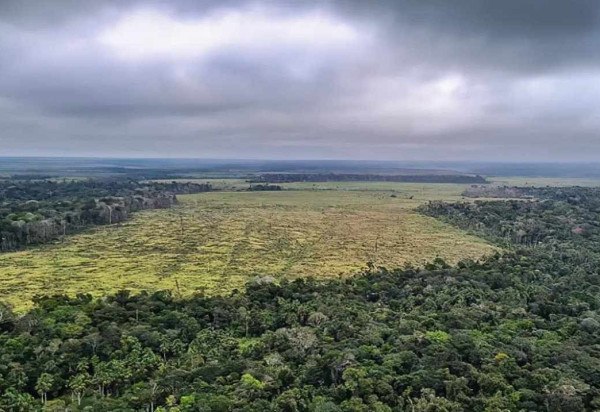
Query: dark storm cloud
x,y
505,80
520,35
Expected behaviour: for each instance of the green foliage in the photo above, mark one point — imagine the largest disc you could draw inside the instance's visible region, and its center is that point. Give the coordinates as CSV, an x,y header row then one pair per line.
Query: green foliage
x,y
251,383
437,336
39,211
517,331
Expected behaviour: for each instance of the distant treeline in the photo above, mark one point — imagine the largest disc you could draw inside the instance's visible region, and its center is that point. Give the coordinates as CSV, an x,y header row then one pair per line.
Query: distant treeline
x,y
570,194
263,187
351,177
37,212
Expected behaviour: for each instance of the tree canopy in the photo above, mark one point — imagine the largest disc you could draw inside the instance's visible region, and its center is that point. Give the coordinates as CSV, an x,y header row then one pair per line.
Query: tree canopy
x,y
517,331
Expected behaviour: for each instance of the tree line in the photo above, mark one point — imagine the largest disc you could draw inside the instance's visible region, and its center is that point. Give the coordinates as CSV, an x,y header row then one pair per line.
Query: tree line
x,y
351,177
39,211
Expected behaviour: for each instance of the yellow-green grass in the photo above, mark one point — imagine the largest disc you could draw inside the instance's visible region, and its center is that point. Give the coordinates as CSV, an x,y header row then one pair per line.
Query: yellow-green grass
x,y
217,241
431,190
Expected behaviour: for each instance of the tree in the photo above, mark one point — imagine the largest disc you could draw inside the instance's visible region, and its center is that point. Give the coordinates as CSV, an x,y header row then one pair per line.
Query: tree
x,y
79,384
44,384
16,401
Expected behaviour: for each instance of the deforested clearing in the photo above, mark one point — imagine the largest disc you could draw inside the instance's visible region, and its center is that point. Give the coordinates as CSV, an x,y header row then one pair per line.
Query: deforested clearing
x,y
215,242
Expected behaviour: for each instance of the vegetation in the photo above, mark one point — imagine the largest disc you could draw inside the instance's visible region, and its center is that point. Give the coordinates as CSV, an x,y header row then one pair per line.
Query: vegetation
x,y
544,181
519,331
215,242
263,187
353,177
37,211
565,216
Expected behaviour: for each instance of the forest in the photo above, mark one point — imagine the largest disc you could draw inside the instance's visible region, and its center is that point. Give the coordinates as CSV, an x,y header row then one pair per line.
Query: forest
x,y
34,211
519,330
353,177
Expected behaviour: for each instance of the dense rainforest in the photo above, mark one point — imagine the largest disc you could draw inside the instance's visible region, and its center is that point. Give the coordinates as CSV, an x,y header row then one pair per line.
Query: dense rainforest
x,y
519,331
38,211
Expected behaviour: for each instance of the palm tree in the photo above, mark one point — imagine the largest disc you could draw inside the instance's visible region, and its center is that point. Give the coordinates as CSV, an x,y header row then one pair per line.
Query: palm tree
x,y
43,385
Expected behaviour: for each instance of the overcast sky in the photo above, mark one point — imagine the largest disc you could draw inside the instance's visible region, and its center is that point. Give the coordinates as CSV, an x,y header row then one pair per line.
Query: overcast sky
x,y
508,80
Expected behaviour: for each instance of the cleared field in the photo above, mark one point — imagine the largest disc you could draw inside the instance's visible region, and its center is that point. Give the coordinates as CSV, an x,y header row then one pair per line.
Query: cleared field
x,y
215,242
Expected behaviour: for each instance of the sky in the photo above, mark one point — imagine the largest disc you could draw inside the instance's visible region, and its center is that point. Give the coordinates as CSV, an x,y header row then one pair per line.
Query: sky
x,y
511,80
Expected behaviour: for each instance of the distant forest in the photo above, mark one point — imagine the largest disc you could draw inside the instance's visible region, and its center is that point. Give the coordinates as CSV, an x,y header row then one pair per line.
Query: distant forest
x,y
519,331
350,177
186,168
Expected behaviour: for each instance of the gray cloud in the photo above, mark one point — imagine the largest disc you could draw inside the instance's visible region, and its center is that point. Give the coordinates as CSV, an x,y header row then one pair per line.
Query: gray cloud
x,y
510,80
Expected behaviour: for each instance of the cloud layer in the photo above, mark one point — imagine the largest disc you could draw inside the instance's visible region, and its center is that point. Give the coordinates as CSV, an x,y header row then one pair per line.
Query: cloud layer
x,y
510,80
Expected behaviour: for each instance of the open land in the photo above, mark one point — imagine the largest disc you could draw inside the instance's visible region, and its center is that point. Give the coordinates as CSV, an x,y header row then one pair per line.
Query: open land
x,y
215,242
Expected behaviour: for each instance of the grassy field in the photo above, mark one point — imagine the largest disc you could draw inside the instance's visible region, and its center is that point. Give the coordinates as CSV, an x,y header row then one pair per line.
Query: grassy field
x,y
424,191
241,184
215,242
